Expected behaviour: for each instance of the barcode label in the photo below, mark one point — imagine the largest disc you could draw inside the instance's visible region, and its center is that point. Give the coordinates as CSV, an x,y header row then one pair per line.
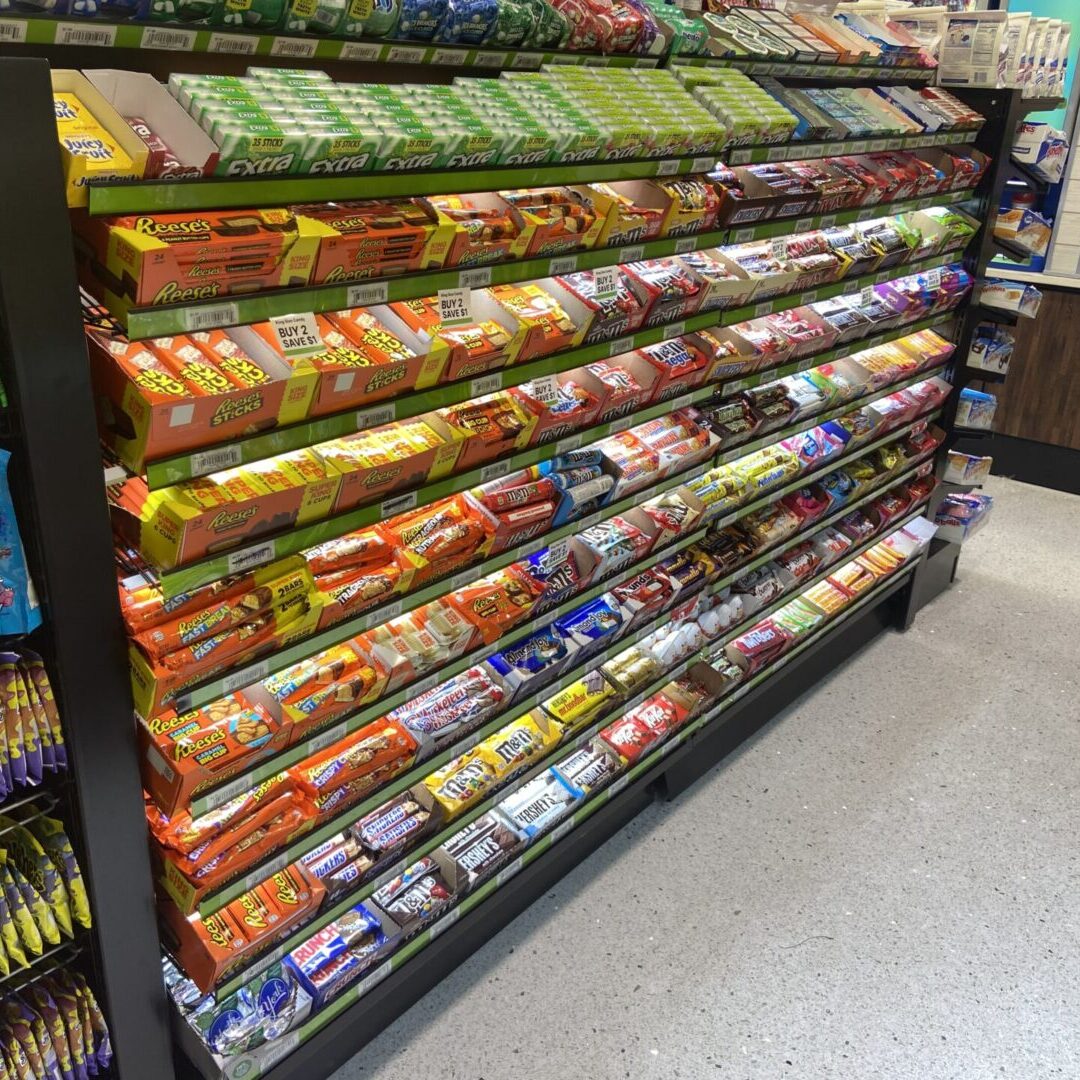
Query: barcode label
x,y
360,50
494,471
211,316
620,345
261,873
621,424
424,685
397,503
444,922
327,738
476,278
452,57
12,31
375,415
227,793
459,581
298,47
676,329
239,44
376,977
877,145
763,309
245,677
702,164
561,830
740,157
828,221
402,54
803,224
163,37
491,60
80,34
508,871
618,786
669,746
631,254
741,236
383,614
240,561
373,292
571,442
221,457
486,384
809,297
685,244
667,168
738,384
567,264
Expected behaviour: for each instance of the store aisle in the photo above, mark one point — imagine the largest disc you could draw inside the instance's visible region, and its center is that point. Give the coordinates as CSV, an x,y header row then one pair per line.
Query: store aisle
x,y
885,883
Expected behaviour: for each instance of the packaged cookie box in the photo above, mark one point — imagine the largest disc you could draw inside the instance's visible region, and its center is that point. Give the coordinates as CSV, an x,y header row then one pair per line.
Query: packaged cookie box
x,y
146,411
142,260
96,142
181,150
370,355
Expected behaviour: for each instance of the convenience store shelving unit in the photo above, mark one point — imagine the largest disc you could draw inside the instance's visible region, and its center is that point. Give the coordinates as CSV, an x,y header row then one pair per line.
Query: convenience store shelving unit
x,y
48,381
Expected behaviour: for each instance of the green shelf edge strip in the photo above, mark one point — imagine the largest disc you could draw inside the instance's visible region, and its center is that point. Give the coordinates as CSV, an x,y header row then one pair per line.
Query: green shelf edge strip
x,y
184,579
200,462
792,70
219,897
483,892
333,635
342,905
141,323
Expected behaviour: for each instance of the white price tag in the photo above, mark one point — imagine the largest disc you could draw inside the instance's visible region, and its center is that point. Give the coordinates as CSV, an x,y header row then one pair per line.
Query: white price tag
x,y
669,746
220,796
397,503
606,282
763,308
803,224
245,677
298,335
809,297
421,687
376,415
267,870
360,50
742,236
620,423
371,292
740,157
631,254
866,296
508,871
84,34
204,462
556,553
620,345
571,442
235,44
376,977
12,31
404,54
476,278
685,244
211,316
246,558
494,471
451,57
455,306
667,168
703,164
486,384
828,221
561,830
166,37
675,329
528,60
933,278
327,738
460,580
490,60
444,922
618,786
300,48
382,615
545,388
877,145
564,264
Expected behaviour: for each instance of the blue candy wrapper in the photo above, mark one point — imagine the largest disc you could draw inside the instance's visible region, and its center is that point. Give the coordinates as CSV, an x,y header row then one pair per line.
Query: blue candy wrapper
x,y
420,19
19,610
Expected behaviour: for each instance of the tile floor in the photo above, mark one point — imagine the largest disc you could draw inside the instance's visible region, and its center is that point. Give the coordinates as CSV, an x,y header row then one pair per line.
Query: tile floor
x,y
883,885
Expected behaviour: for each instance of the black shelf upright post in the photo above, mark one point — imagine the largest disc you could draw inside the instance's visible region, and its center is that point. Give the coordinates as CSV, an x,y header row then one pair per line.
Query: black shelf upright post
x,y
64,522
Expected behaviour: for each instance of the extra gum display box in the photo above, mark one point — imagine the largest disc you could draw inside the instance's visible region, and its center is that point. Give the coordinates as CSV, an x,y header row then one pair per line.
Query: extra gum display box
x,y
142,260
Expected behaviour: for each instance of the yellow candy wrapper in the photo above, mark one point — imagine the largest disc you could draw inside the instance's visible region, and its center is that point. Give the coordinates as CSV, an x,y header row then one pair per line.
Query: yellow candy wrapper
x,y
50,834
575,705
29,856
39,910
29,934
520,742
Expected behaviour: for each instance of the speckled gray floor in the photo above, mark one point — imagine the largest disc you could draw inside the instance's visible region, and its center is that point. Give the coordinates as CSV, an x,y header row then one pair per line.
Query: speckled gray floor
x,y
883,885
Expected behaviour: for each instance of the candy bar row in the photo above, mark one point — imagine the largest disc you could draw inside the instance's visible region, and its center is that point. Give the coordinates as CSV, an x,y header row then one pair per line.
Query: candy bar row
x,y
178,644
53,1029
43,896
324,689
318,970
211,514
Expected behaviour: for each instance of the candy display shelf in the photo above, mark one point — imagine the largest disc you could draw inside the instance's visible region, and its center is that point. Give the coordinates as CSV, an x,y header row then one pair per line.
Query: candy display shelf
x,y
244,676
834,73
210,458
221,896
259,963
164,320
54,417
364,1007
226,41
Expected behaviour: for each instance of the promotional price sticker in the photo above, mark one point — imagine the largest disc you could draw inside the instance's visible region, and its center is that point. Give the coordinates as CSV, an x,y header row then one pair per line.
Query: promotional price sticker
x,y
455,307
298,335
607,282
